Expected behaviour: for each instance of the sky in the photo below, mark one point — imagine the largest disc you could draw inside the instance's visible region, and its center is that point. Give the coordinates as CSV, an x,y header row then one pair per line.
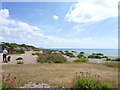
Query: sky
x,y
80,24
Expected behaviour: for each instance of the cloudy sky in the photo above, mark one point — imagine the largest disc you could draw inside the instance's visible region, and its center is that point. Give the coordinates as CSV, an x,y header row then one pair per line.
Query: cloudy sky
x,y
79,24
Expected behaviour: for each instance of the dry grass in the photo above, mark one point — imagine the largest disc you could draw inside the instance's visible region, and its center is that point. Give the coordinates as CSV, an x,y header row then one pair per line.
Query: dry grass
x,y
59,74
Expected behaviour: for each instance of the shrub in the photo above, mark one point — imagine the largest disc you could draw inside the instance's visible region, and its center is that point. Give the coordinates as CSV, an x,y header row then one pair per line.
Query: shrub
x,y
69,54
117,59
105,85
85,83
73,51
81,60
61,52
87,80
20,62
81,52
80,55
108,59
49,51
55,58
97,54
19,58
94,56
17,51
104,57
8,82
36,50
35,53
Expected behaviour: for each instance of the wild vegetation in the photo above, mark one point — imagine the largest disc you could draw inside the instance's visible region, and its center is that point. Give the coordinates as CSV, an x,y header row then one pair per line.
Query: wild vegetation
x,y
63,75
81,60
8,81
51,58
88,81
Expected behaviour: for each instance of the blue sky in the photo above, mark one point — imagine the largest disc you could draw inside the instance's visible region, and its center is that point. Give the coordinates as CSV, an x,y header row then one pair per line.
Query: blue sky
x,y
60,24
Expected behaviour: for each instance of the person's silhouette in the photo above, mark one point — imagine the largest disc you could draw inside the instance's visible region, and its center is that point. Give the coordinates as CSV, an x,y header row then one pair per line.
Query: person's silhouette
x,y
4,55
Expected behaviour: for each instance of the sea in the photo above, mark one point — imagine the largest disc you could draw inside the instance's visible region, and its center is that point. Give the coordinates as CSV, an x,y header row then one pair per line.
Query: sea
x,y
106,52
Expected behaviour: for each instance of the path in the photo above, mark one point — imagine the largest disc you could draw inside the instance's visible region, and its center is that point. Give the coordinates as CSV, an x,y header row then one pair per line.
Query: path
x,y
28,58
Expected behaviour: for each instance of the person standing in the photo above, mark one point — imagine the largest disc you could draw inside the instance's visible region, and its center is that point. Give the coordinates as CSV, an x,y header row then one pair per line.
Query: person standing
x,y
4,55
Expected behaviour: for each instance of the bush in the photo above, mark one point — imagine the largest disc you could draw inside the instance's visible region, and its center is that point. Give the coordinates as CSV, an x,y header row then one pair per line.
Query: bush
x,y
87,80
105,85
80,55
55,58
95,56
8,82
49,51
104,57
19,58
73,51
117,59
85,83
18,51
36,50
81,52
61,52
35,53
81,60
20,62
69,54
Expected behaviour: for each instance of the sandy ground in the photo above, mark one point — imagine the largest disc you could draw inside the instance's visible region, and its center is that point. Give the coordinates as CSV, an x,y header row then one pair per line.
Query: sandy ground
x,y
28,58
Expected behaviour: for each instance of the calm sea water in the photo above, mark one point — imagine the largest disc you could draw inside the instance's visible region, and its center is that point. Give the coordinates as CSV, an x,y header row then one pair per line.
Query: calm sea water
x,y
107,52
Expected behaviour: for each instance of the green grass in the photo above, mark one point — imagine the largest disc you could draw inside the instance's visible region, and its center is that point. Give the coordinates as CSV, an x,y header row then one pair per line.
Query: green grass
x,y
35,53
81,60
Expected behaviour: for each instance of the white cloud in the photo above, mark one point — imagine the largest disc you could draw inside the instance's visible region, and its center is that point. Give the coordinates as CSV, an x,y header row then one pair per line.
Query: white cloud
x,y
55,17
92,11
4,13
21,32
78,28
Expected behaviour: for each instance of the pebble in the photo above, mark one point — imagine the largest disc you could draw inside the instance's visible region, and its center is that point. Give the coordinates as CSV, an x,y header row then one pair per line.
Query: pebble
x,y
34,85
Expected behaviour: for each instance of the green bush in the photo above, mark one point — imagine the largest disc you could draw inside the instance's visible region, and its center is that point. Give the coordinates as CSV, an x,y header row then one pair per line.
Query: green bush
x,y
104,57
36,50
69,54
105,85
35,53
80,55
81,60
19,58
97,54
61,52
73,51
81,52
49,51
20,62
85,83
86,80
55,58
94,56
19,51
117,59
